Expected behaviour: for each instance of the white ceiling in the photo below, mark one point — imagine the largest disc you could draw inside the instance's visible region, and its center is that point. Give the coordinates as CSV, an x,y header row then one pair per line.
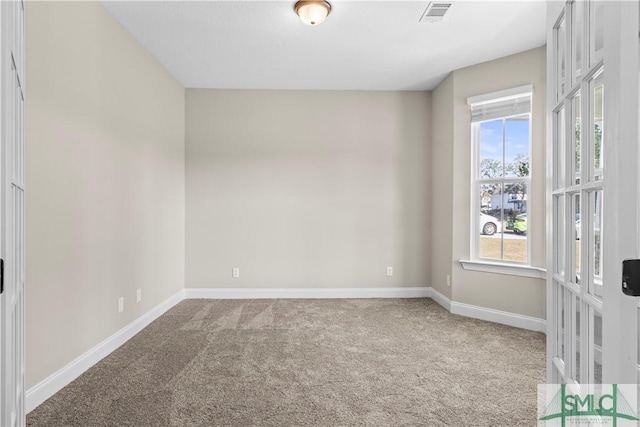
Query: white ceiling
x,y
363,45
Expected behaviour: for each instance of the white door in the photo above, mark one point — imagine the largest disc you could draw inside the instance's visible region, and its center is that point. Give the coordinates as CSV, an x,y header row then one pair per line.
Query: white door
x,y
12,372
593,191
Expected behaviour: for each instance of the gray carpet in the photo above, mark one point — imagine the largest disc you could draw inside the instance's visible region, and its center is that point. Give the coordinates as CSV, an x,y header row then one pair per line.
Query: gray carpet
x,y
369,362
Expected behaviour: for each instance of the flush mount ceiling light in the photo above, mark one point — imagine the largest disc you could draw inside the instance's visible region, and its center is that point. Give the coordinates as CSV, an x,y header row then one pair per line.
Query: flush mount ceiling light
x,y
313,12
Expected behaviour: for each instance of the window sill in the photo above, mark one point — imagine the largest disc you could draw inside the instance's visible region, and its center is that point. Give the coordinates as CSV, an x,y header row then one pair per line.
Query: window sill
x,y
504,268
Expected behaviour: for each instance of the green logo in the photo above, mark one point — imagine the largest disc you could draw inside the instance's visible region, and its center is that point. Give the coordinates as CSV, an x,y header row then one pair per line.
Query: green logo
x,y
609,408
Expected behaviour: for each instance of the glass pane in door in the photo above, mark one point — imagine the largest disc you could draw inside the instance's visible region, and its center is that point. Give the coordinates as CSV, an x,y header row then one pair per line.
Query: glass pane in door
x,y
576,135
595,368
596,31
595,287
577,24
560,48
559,234
575,340
560,302
576,258
559,149
598,129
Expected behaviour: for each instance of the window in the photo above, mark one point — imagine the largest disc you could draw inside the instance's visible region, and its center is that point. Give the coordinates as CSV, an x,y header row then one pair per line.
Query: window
x,y
501,136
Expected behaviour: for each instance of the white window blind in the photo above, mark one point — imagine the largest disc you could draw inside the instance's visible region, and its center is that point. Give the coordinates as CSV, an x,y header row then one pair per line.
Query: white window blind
x,y
497,105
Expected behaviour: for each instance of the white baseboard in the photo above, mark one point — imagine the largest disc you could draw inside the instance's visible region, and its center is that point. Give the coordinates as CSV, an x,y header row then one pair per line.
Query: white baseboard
x,y
55,382
307,293
59,379
440,299
489,314
498,316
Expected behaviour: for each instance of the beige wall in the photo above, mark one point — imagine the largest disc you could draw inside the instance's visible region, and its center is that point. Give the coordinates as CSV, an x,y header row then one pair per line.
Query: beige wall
x,y
442,185
502,292
307,188
105,181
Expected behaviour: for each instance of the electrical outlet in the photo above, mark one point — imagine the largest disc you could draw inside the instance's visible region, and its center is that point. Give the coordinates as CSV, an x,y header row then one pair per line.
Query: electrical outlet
x,y
235,273
448,280
389,271
120,305
139,295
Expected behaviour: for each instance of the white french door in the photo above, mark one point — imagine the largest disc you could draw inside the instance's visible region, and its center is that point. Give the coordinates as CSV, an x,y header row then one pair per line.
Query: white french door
x,y
12,214
593,190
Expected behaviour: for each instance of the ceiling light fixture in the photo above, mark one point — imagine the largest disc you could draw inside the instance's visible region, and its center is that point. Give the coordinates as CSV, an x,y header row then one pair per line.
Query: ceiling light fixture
x,y
313,12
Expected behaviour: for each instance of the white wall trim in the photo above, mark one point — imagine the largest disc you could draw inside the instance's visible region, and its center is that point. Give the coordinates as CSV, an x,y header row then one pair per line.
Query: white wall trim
x,y
59,379
318,293
441,299
504,268
498,316
489,314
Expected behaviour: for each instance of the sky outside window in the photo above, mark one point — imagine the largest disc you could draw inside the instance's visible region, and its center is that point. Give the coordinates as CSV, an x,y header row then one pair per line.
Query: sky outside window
x,y
515,147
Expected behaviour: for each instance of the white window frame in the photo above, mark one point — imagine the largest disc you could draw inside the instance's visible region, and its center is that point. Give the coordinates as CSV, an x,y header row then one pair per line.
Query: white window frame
x,y
477,263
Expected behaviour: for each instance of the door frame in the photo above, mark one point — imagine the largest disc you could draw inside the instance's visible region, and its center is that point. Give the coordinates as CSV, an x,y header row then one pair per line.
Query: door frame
x,y
12,214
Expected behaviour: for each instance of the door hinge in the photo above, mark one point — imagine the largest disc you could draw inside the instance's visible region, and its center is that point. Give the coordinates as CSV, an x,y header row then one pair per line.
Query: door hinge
x,y
1,275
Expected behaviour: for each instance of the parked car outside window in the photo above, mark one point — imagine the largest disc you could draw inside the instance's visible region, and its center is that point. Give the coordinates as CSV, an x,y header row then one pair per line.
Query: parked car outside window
x,y
520,224
489,225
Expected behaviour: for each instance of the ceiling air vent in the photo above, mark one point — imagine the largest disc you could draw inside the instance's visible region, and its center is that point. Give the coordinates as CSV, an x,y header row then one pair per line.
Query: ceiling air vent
x,y
435,11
